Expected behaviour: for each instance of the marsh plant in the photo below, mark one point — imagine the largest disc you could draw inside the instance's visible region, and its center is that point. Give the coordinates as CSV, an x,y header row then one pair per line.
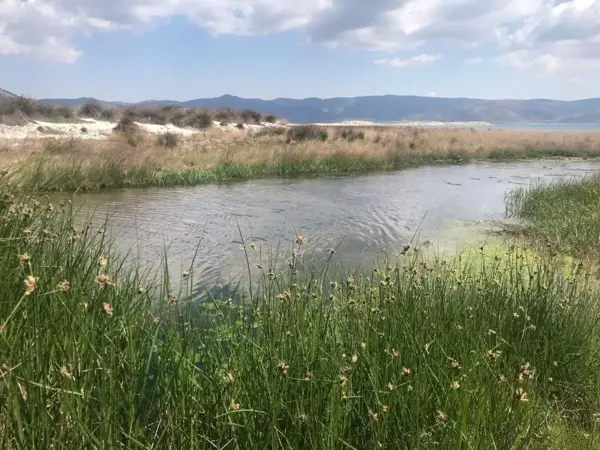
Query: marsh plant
x,y
564,215
495,350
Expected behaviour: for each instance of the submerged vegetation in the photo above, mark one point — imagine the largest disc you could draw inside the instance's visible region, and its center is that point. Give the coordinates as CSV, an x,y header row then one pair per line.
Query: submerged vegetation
x,y
492,350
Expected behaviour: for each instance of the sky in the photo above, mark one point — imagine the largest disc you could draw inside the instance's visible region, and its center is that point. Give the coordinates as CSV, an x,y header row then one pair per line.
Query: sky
x,y
134,50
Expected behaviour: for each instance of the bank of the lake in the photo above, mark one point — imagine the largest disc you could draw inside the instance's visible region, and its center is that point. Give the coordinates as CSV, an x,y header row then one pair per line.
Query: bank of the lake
x,y
495,350
564,215
139,160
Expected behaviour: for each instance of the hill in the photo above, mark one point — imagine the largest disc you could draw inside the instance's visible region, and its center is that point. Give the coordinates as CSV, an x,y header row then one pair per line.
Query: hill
x,y
391,108
6,94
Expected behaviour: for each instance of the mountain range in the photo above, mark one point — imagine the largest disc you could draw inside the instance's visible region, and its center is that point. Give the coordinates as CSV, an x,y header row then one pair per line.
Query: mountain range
x,y
389,108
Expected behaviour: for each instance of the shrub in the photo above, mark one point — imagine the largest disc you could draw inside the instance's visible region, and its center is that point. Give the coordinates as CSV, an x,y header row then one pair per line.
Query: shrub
x,y
126,126
270,118
272,131
251,116
132,113
84,130
179,118
27,106
307,133
158,116
168,140
240,125
13,119
108,115
65,112
225,115
201,120
351,135
91,109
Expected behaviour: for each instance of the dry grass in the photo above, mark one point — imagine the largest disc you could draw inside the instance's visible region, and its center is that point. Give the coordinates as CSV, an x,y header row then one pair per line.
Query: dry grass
x,y
273,153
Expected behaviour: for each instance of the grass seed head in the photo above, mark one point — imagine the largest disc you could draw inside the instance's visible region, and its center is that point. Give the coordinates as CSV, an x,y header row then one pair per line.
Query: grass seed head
x,y
30,284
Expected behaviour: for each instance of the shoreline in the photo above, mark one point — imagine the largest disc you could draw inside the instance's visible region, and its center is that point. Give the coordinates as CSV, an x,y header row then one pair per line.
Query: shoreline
x,y
226,173
155,157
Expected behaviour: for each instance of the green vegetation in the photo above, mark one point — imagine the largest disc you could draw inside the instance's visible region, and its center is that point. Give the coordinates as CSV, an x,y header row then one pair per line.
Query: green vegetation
x,y
46,175
497,351
564,215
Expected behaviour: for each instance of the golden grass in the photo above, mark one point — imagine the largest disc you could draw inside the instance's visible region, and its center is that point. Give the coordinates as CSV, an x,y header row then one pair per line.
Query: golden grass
x,y
206,150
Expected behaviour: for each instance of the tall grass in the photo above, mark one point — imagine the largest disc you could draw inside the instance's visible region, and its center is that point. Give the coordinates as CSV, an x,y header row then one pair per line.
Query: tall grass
x,y
489,352
137,158
564,215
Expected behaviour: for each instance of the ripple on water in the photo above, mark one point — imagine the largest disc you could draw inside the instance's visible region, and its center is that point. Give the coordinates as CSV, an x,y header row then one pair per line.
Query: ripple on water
x,y
366,213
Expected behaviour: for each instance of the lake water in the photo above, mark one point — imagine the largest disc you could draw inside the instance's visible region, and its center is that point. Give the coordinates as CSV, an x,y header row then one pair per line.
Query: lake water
x,y
572,127
365,217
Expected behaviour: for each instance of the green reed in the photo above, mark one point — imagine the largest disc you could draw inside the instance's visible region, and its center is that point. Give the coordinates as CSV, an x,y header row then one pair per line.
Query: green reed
x,y
565,215
496,350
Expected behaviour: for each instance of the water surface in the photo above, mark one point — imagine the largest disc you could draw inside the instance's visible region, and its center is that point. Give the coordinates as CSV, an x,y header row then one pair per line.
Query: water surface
x,y
363,215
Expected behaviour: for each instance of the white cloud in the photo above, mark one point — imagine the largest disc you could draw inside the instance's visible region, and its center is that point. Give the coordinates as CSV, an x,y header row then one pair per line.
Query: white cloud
x,y
419,60
551,36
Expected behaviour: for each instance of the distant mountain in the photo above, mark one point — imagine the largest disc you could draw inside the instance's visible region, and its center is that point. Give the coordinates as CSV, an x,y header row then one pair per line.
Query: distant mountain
x,y
391,108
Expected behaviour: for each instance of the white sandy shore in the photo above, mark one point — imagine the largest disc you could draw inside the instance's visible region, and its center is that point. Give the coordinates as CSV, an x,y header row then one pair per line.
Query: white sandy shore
x,y
99,129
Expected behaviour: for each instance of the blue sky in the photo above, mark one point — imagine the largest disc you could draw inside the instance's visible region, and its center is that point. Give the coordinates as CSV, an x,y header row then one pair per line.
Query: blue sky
x,y
181,49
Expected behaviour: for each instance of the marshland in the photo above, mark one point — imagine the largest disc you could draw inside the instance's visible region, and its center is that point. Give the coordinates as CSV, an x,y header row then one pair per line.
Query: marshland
x,y
321,327
102,148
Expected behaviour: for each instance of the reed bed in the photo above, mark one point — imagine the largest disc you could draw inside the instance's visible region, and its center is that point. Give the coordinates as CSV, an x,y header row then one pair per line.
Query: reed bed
x,y
137,159
564,215
491,350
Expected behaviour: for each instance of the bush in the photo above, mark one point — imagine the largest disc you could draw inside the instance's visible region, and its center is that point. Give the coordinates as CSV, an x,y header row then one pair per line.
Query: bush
x,y
13,119
91,109
168,140
132,113
251,116
240,126
108,115
126,126
25,105
179,118
201,120
351,135
307,133
271,118
158,116
225,115
272,131
65,112
83,130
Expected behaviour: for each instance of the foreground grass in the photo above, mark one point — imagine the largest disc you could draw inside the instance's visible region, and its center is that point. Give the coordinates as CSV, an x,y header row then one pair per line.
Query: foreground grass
x,y
564,215
490,352
138,160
